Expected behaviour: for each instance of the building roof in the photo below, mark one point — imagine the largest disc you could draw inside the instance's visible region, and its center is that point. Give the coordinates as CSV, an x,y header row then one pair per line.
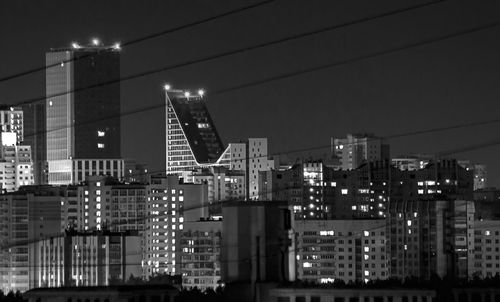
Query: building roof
x,y
197,125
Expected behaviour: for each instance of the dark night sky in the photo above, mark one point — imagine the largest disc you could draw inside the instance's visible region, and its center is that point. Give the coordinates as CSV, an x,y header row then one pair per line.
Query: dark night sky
x,y
445,83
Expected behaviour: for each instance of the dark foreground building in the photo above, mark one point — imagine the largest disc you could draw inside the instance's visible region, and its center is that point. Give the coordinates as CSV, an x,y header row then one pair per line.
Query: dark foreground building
x,y
119,293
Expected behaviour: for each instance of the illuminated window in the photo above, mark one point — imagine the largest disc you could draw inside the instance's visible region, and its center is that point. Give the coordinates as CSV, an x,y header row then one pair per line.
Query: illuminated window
x,y
344,191
100,145
101,133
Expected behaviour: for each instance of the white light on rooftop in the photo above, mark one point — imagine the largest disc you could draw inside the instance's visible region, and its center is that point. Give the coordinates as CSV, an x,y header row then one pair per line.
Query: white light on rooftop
x,y
201,92
75,45
95,41
166,87
117,46
186,94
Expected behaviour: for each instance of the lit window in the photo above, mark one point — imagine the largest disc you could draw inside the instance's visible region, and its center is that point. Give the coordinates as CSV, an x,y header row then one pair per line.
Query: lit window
x,y
100,145
101,133
344,191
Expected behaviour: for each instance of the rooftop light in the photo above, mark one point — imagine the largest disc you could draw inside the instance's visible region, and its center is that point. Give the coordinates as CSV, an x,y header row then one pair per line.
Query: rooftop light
x,y
167,87
201,92
75,45
186,94
96,41
117,46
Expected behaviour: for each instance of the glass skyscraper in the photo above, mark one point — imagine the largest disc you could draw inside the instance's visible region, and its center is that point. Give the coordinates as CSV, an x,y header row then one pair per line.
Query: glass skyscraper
x,y
83,113
192,140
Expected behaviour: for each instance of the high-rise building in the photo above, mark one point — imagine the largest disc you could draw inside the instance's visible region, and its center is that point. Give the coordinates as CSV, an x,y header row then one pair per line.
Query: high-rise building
x,y
35,136
412,162
192,143
200,249
320,192
258,243
16,167
26,216
11,120
486,261
429,238
480,172
83,116
191,138
347,250
104,203
357,149
170,203
251,157
222,184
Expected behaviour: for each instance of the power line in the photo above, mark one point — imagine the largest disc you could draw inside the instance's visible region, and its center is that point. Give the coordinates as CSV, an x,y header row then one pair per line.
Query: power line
x,y
279,77
144,38
222,54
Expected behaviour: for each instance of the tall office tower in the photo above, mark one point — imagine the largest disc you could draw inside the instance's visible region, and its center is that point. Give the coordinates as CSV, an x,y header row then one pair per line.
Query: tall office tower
x,y
356,149
35,136
191,138
83,123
